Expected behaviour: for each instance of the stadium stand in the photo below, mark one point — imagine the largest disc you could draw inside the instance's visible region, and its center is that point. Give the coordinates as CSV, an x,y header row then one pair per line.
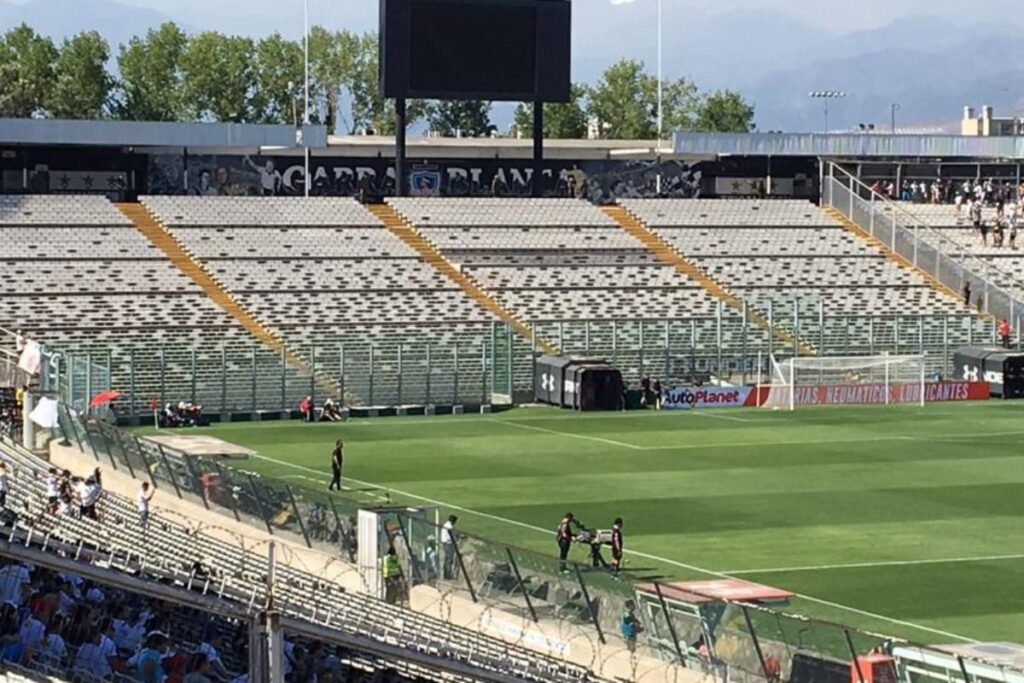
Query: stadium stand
x,y
555,261
326,275
785,254
87,282
197,559
952,231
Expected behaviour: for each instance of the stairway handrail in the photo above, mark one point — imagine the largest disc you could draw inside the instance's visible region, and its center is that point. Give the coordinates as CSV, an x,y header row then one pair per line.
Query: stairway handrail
x,y
968,261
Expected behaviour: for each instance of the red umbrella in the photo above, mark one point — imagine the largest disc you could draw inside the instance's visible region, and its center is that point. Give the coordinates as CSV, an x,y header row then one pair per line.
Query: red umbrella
x,y
104,397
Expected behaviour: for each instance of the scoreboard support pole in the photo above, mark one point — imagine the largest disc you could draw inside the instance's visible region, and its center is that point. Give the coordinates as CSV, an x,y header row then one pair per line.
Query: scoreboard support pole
x,y
401,188
538,147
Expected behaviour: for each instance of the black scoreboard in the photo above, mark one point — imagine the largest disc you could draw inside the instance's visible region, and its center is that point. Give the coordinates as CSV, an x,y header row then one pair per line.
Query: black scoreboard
x,y
499,50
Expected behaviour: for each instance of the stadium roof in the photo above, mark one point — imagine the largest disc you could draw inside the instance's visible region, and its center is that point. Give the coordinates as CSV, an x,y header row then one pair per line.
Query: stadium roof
x,y
849,145
156,134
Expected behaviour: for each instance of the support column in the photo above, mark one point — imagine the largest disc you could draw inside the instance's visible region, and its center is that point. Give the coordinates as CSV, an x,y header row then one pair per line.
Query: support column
x,y
538,148
400,125
28,427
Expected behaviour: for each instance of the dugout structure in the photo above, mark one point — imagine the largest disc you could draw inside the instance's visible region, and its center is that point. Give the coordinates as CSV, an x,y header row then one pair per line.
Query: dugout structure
x,y
1002,368
578,383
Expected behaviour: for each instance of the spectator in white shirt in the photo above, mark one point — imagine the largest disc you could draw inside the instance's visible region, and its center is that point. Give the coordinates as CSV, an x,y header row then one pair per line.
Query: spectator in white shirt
x,y
210,648
31,635
13,578
52,490
89,493
448,545
92,658
145,495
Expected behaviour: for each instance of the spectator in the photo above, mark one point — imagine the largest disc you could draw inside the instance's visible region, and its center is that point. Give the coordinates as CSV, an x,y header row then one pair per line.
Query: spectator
x,y
210,648
149,662
31,635
1005,332
448,543
145,495
92,659
89,493
200,670
307,409
52,490
629,625
967,293
4,485
15,580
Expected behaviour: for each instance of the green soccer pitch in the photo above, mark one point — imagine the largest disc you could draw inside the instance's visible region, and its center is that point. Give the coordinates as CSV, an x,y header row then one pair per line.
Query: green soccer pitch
x,y
902,519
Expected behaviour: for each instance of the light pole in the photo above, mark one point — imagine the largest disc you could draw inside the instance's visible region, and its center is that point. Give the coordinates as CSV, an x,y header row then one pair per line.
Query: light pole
x,y
893,108
305,108
661,113
826,95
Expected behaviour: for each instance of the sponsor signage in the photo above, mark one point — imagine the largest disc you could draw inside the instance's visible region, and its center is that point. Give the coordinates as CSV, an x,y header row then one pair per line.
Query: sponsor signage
x,y
846,394
686,398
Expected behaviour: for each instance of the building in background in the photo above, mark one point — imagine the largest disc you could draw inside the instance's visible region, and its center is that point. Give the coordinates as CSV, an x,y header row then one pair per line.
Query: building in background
x,y
987,125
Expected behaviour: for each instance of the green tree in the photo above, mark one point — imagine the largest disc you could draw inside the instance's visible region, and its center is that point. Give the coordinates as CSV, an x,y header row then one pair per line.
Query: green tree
x,y
725,111
26,72
332,59
82,87
220,77
370,111
470,118
625,103
278,97
151,83
562,120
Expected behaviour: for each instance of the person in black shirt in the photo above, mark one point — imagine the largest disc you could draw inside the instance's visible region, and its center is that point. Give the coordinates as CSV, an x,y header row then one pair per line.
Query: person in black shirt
x,y
564,537
656,389
337,457
616,545
645,390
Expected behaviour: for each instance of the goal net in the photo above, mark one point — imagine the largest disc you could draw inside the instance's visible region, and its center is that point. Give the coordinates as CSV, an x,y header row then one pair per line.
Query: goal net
x,y
844,380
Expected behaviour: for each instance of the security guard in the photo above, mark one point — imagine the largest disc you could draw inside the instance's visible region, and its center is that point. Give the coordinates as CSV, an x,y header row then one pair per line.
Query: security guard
x,y
391,570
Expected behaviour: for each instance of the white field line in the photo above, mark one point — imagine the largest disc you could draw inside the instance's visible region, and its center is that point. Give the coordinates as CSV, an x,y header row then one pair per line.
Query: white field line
x,y
635,553
869,565
572,435
720,416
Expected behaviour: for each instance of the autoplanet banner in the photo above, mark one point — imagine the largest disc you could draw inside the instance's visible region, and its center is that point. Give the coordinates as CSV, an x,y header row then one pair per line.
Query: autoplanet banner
x,y
686,398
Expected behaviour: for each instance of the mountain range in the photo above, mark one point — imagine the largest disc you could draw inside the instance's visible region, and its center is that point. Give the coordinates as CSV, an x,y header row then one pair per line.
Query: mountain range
x,y
930,65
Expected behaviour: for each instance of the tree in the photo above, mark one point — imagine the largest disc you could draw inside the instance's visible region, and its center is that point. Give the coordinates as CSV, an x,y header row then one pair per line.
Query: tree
x,y
151,83
562,120
279,80
332,58
725,111
470,118
220,77
625,103
370,111
26,72
82,86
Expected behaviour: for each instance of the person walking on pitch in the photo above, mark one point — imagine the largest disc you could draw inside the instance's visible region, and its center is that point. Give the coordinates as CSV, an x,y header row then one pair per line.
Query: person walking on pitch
x,y
337,458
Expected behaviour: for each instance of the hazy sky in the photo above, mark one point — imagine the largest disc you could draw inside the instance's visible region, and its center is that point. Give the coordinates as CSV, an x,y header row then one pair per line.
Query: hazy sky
x,y
830,15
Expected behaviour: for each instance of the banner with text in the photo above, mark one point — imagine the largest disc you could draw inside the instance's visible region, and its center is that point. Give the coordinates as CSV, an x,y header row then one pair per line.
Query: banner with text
x,y
852,394
686,398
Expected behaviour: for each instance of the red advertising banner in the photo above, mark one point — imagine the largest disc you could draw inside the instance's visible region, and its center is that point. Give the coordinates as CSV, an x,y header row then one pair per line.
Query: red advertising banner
x,y
864,394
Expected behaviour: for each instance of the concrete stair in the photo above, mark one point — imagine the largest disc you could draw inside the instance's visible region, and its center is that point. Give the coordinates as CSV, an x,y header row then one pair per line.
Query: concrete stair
x,y
670,255
398,226
897,258
160,237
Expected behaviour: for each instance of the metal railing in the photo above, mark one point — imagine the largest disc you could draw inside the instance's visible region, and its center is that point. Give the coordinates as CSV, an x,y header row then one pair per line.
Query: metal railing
x,y
924,246
726,346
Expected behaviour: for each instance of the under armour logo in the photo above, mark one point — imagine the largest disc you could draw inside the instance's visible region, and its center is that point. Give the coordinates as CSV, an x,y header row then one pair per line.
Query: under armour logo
x,y
547,382
970,374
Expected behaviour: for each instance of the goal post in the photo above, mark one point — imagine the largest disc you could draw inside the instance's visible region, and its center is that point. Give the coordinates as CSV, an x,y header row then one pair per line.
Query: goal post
x,y
842,380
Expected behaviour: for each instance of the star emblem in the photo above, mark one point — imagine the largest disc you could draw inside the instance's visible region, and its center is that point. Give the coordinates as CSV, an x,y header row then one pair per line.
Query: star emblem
x,y
65,181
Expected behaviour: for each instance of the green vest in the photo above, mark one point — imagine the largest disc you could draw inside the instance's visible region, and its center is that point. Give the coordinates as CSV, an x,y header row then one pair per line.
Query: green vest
x,y
391,567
